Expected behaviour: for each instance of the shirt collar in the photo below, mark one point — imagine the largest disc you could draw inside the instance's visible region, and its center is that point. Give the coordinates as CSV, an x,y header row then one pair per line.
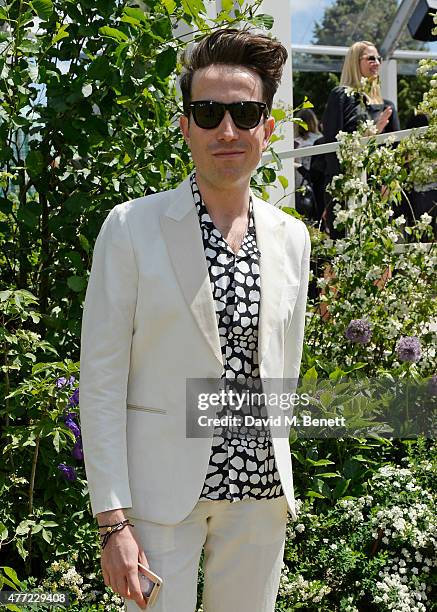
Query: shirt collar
x,y
202,211
211,233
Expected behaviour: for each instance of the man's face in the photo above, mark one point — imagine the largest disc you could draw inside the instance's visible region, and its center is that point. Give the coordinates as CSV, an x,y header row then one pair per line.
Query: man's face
x,y
226,156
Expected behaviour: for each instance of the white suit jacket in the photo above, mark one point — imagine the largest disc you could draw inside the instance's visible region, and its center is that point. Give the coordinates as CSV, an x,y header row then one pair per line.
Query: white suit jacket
x,y
149,323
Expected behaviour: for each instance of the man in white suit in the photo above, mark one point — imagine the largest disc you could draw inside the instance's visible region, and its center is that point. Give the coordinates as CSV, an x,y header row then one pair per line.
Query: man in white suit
x,y
202,282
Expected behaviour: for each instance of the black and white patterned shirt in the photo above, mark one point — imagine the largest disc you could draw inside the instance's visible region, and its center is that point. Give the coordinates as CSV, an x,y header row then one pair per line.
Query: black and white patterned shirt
x,y
242,465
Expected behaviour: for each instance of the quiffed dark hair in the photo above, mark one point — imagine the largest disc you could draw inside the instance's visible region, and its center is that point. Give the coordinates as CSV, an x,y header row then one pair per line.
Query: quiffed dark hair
x,y
258,52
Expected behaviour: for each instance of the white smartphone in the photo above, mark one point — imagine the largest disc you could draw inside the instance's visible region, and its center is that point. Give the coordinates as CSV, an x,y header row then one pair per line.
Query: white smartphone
x,y
150,584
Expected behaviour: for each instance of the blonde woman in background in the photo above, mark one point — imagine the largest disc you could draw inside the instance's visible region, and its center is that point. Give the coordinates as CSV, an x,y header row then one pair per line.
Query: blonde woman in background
x,y
357,99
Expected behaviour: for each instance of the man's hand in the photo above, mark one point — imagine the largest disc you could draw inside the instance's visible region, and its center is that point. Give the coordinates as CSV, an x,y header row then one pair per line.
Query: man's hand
x,y
120,558
383,119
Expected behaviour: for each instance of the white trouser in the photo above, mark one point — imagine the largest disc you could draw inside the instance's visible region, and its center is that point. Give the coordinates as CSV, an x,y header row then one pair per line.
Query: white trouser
x,y
244,547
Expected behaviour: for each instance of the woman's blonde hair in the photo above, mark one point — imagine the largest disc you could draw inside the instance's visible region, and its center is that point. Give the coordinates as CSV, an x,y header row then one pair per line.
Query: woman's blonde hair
x,y
351,73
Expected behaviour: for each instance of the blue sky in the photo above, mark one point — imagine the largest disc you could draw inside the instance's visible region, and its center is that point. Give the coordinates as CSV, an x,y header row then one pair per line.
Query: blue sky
x,y
305,13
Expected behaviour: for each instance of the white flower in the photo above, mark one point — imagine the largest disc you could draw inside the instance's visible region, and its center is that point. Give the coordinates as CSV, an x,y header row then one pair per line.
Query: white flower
x,y
425,219
300,527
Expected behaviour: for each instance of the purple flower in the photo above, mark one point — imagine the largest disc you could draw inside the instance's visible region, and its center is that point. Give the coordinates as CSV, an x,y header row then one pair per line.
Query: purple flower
x,y
63,382
359,330
72,426
77,451
67,471
408,349
74,399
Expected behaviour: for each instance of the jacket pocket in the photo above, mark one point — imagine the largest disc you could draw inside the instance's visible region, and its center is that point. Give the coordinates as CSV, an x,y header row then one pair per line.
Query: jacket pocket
x,y
146,409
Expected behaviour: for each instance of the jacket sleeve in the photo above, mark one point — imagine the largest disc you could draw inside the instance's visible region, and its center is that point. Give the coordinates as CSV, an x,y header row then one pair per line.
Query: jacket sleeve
x,y
107,328
393,124
295,334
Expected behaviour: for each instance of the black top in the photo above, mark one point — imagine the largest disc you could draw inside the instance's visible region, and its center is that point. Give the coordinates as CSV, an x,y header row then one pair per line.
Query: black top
x,y
242,462
344,113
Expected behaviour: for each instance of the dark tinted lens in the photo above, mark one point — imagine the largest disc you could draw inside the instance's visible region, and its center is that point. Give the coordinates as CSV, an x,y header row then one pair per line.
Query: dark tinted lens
x,y
208,115
246,115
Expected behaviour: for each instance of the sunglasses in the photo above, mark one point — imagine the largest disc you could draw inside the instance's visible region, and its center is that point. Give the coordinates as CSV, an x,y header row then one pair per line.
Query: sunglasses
x,y
373,58
246,115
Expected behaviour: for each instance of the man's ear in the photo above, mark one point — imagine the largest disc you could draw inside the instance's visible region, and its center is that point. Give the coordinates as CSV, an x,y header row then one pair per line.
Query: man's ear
x,y
184,126
269,126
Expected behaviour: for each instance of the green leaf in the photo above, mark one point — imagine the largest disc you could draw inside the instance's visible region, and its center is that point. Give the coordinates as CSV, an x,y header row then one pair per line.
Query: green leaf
x,y
47,536
76,203
29,214
84,243
170,5
21,550
283,180
263,21
10,584
227,5
61,33
278,114
76,283
130,20
269,175
34,162
43,8
3,14
113,33
192,7
166,62
340,488
23,527
135,13
320,462
314,494
56,439
3,532
99,69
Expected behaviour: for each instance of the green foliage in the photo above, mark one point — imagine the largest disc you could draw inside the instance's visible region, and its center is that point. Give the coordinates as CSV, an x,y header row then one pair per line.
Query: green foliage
x,y
87,120
369,277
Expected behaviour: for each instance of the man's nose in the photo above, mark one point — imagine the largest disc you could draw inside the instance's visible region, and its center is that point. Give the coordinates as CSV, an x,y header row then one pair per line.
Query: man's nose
x,y
227,129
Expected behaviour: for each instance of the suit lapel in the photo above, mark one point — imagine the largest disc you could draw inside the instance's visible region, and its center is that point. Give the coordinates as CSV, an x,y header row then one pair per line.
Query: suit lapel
x,y
270,238
181,231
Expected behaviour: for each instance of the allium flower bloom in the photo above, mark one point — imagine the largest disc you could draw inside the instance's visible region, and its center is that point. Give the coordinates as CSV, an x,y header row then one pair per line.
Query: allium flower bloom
x,y
63,382
408,348
77,451
74,399
67,471
72,426
359,330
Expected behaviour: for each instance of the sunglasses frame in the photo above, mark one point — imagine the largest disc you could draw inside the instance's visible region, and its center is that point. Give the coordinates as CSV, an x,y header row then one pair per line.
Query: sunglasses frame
x,y
372,58
262,106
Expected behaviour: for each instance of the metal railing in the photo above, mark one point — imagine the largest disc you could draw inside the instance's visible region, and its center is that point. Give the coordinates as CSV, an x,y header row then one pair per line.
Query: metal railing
x,y
332,147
